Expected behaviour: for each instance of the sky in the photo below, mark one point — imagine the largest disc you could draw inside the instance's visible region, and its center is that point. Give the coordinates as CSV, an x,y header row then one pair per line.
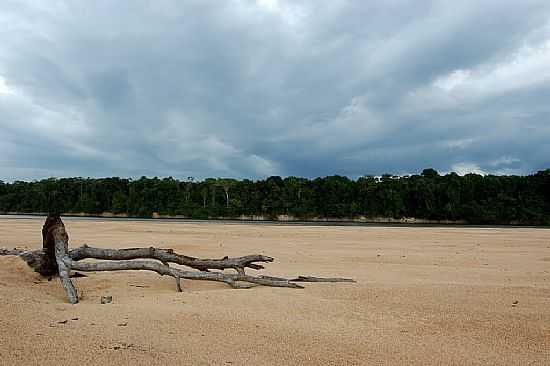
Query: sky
x,y
250,89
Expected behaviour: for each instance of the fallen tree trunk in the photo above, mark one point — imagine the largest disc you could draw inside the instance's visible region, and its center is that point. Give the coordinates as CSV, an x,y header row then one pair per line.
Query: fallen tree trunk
x,y
55,257
168,256
162,269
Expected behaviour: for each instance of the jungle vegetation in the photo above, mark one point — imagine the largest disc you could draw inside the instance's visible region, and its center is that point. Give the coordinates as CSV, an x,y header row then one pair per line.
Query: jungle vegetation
x,y
473,198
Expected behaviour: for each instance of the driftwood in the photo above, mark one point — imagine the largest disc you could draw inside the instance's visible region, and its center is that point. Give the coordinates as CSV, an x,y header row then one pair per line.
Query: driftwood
x,y
168,256
320,279
56,258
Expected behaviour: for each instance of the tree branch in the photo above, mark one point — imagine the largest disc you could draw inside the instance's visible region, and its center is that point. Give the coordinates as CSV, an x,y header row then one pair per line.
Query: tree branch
x,y
64,267
321,279
169,256
163,270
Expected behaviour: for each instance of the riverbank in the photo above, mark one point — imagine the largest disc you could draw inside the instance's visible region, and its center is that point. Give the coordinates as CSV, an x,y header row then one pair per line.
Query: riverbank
x,y
281,219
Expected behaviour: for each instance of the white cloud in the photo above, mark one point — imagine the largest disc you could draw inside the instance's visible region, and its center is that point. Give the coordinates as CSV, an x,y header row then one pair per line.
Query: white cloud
x,y
466,168
271,5
527,67
261,166
457,143
292,13
451,81
504,160
4,89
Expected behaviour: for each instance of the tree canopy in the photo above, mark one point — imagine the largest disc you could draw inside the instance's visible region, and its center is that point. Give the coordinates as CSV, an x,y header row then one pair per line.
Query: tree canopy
x,y
473,198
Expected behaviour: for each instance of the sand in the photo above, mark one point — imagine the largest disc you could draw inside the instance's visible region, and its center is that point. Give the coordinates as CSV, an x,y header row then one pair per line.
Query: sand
x,y
424,296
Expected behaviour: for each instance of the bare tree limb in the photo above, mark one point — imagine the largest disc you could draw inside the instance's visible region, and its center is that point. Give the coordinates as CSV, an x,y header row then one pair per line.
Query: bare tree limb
x,y
64,267
137,265
178,284
14,251
321,279
169,256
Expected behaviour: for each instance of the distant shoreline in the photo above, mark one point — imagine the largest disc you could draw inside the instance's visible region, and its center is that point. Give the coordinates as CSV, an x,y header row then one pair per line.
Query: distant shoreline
x,y
377,222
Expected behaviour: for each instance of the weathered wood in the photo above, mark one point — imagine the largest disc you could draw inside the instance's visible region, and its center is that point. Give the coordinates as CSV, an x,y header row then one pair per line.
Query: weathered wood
x,y
48,262
32,257
311,279
55,236
132,265
169,256
64,262
14,251
178,284
321,279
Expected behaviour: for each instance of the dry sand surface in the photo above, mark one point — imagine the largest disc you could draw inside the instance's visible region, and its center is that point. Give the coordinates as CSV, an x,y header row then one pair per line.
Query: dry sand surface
x,y
424,296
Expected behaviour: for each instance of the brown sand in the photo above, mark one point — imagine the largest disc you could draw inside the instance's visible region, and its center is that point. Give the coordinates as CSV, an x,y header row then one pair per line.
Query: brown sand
x,y
425,296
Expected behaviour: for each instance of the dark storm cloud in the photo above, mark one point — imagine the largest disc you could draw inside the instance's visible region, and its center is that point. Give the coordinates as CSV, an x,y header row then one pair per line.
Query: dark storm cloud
x,y
257,88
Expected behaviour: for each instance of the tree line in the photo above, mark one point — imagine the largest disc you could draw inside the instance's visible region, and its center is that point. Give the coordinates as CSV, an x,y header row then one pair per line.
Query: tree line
x,y
472,198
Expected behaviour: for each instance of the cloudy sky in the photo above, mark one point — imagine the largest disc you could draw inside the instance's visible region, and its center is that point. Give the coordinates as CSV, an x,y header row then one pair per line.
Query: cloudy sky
x,y
245,88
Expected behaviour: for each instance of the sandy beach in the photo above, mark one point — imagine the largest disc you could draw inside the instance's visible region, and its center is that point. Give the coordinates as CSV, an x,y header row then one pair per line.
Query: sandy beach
x,y
424,296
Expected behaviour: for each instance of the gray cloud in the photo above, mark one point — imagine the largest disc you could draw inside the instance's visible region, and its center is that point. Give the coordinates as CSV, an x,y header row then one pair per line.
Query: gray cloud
x,y
256,88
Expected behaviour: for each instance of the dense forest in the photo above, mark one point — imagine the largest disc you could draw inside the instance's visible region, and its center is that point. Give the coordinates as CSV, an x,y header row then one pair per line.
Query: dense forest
x,y
471,198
